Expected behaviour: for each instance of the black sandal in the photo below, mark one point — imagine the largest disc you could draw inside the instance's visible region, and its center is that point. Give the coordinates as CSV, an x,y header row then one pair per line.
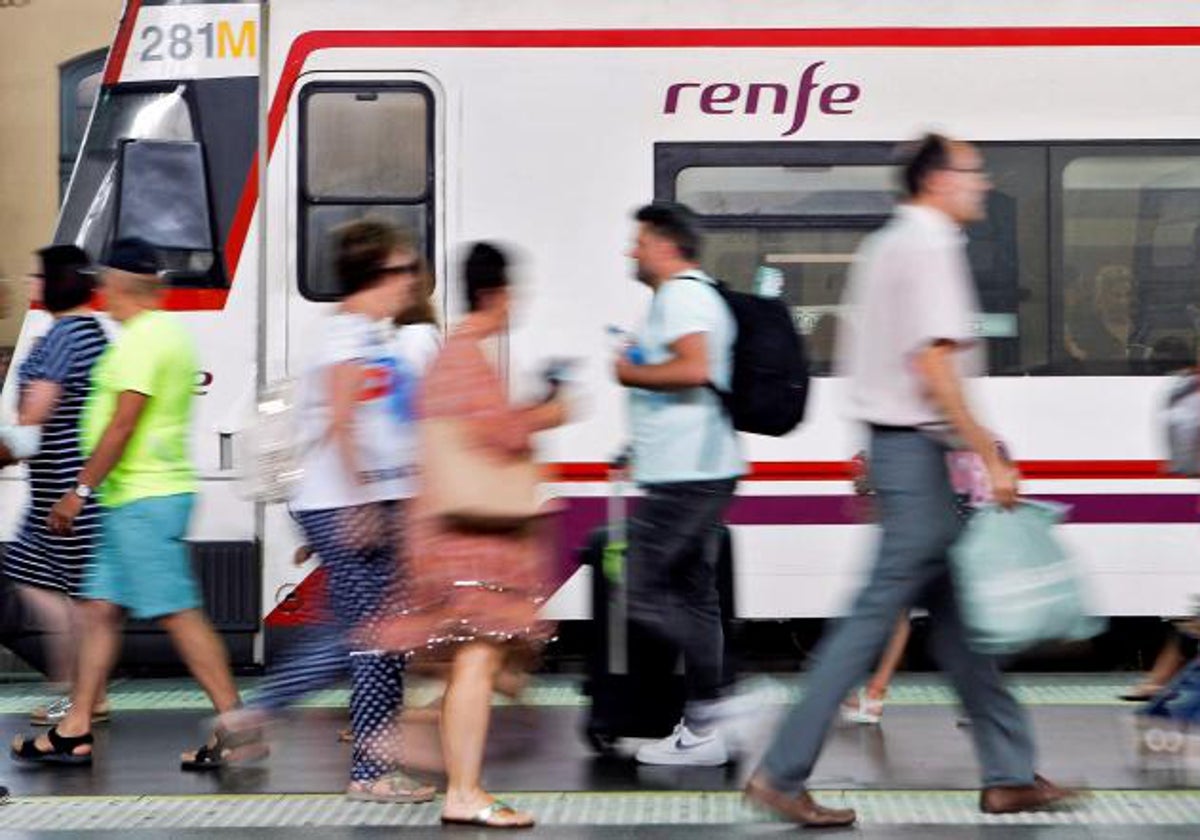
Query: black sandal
x,y
62,750
227,748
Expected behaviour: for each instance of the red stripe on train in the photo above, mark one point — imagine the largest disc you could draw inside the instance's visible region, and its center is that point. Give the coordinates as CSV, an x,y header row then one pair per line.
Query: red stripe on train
x,y
120,47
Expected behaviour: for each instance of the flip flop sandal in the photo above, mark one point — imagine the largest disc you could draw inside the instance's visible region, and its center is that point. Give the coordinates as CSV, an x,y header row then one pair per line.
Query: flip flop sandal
x,y
399,790
54,713
227,748
62,750
486,818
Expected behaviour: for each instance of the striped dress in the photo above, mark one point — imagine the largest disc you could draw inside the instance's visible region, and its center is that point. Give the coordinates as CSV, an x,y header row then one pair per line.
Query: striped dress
x,y
65,355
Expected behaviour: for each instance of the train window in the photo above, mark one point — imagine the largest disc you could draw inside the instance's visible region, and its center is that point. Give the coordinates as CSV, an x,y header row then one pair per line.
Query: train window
x,y
89,214
79,86
814,191
366,151
1129,222
1010,258
794,216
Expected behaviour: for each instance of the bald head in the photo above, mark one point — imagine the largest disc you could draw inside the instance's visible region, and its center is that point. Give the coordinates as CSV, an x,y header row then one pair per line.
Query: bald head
x,y
126,293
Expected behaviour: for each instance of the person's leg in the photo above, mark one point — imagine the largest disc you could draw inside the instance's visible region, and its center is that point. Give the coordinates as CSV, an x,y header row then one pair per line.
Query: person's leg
x,y
1001,730
98,653
671,574
881,680
918,524
204,654
163,587
317,660
466,711
52,613
866,705
376,697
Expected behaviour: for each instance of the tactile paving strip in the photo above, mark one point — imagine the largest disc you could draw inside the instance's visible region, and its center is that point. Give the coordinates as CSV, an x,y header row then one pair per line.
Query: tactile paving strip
x,y
1132,808
558,691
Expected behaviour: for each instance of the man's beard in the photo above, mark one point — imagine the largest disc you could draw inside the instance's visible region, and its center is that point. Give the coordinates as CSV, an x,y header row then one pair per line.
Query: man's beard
x,y
642,274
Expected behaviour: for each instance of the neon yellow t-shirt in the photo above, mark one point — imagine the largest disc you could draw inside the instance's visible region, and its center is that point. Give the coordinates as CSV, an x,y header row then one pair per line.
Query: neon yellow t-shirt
x,y
153,356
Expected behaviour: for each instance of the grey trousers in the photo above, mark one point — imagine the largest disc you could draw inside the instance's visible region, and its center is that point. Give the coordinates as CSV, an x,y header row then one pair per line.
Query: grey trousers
x,y
916,510
674,538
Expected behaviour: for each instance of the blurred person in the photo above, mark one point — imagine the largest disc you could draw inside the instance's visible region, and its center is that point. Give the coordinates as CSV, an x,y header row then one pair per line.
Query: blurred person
x,y
474,595
1099,322
906,352
135,431
53,385
687,459
355,415
866,705
1175,653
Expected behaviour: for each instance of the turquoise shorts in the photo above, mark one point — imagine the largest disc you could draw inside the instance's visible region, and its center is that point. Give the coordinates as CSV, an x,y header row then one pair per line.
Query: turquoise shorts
x,y
142,563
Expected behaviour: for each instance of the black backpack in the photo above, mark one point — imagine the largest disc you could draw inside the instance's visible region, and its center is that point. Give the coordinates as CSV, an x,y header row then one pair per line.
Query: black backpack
x,y
770,368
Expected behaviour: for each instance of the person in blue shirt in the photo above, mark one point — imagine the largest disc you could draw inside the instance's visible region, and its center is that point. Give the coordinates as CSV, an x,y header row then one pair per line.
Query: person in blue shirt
x,y
687,460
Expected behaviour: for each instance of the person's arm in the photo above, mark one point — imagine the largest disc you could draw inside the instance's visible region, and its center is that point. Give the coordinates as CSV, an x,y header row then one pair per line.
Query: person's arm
x,y
345,381
108,452
687,367
38,401
935,365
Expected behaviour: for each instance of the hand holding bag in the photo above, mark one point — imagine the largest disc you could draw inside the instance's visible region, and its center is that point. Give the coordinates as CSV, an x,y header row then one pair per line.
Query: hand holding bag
x,y
471,485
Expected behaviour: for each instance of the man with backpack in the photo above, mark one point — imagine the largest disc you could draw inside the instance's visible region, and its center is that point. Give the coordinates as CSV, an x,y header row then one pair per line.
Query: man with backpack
x,y
687,459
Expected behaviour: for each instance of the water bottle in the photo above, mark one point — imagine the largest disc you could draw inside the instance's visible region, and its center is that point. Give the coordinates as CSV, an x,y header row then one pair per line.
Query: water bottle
x,y
626,344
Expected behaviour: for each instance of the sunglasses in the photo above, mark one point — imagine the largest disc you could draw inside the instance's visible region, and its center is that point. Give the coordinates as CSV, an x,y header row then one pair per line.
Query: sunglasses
x,y
406,268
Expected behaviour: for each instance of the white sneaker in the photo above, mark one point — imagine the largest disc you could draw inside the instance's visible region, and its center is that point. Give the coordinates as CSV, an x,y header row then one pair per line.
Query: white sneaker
x,y
685,748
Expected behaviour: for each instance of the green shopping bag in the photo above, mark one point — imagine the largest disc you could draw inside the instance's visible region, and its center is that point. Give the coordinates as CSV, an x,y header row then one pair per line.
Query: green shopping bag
x,y
1016,586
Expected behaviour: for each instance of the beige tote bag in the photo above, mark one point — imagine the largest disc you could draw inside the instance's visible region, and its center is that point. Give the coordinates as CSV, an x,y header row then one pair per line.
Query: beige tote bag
x,y
472,486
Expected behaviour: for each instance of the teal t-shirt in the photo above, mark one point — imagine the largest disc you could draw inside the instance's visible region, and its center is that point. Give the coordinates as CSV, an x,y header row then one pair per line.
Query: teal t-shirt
x,y
153,356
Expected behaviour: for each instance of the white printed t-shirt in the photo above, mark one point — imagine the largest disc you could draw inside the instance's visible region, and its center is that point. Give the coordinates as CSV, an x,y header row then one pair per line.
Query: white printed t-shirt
x,y
909,288
685,435
383,417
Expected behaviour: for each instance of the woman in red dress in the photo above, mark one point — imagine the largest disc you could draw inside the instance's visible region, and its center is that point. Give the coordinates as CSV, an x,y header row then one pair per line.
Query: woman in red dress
x,y
475,595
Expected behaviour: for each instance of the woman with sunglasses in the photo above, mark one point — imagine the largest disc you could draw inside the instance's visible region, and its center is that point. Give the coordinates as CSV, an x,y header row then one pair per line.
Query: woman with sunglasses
x,y
354,413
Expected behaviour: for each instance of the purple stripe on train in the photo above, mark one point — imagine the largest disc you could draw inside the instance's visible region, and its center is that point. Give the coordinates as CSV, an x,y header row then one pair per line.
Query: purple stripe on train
x,y
583,513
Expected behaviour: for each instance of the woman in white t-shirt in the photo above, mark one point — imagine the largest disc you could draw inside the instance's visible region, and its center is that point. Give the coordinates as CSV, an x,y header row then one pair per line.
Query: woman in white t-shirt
x,y
354,410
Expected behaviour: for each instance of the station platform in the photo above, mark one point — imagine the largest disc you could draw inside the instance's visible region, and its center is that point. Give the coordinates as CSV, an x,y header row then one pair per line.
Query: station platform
x,y
913,777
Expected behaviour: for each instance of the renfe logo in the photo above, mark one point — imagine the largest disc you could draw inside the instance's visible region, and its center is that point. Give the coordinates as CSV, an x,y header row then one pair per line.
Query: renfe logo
x,y
731,98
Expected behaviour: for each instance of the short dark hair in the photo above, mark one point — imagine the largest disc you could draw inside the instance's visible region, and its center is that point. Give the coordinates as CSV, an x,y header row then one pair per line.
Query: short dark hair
x,y
67,278
362,246
674,222
485,269
921,158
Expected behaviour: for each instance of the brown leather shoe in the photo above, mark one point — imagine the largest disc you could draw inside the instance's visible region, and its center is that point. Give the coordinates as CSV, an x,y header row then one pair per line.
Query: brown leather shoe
x,y
1039,796
801,808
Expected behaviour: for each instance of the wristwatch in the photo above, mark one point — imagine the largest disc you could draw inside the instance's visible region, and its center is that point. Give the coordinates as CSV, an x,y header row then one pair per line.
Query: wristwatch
x,y
83,491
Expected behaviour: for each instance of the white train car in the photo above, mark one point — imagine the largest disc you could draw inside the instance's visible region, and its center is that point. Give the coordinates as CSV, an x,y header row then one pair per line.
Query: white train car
x,y
546,124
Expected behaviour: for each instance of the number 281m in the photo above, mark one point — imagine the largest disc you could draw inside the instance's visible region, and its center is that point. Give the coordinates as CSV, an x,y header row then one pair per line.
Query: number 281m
x,y
180,41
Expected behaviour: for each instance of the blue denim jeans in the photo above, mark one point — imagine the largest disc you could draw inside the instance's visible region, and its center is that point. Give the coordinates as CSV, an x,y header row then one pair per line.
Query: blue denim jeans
x,y
674,540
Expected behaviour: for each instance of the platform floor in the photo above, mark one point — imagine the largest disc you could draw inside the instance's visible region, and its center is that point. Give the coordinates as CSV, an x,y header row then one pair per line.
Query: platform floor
x,y
915,776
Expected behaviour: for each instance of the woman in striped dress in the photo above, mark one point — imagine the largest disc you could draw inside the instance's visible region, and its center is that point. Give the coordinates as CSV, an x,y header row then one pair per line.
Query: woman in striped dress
x,y
54,382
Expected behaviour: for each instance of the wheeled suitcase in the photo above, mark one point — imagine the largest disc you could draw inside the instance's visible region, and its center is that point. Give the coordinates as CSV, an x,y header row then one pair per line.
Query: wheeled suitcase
x,y
634,677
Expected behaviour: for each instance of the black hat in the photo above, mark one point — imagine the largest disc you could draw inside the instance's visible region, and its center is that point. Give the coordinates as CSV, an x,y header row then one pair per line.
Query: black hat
x,y
60,258
134,255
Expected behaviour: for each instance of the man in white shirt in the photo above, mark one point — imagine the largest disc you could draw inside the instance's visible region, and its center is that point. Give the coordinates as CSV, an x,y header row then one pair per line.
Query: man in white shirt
x,y
906,346
687,459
